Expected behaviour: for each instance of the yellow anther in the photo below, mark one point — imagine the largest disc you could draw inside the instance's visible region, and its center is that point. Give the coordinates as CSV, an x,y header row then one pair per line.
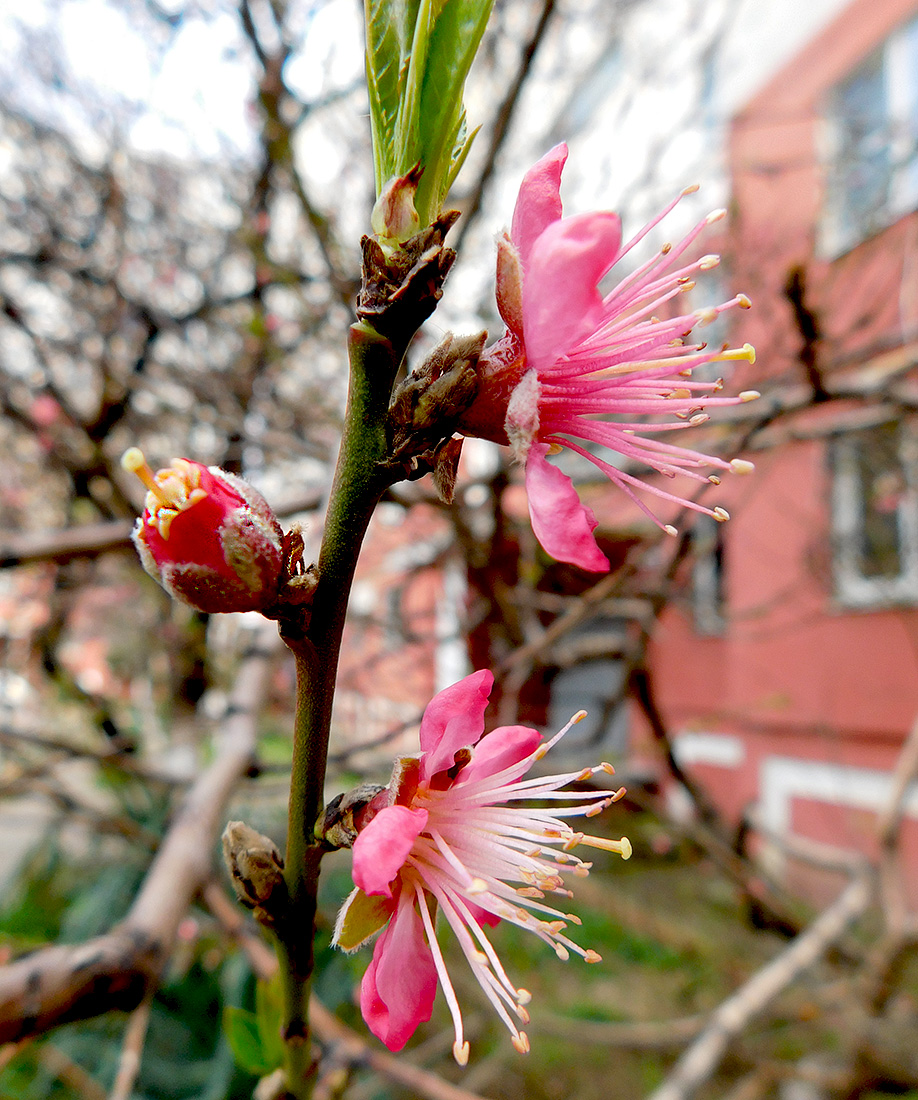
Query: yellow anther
x,y
133,461
592,956
714,479
721,515
743,301
461,1052
523,996
707,262
521,1042
555,448
523,1014
742,466
681,394
562,952
622,847
691,189
477,886
670,530
715,216
749,395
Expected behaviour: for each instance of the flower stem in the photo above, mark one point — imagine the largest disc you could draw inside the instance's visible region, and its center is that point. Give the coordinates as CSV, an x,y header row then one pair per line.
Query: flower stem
x,y
359,481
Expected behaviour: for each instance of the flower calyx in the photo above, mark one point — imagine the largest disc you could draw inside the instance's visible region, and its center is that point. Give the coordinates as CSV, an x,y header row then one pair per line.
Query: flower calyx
x,y
401,286
256,870
426,408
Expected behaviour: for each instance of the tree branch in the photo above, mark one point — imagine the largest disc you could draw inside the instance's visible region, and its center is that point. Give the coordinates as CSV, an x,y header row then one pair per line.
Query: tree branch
x,y
62,983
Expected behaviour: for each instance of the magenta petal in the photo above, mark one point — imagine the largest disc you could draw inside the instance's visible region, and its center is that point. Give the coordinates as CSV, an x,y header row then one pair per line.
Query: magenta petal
x,y
484,917
563,526
453,720
383,845
539,201
561,304
499,749
398,989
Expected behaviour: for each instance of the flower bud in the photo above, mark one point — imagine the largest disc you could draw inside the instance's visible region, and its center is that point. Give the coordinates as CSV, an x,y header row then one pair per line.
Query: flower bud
x,y
394,218
208,538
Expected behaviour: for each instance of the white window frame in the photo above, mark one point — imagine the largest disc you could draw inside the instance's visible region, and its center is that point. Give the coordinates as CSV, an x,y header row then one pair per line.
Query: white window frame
x,y
853,588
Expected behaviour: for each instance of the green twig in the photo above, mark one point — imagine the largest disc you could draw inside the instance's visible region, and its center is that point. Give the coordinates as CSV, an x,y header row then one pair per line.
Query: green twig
x,y
360,479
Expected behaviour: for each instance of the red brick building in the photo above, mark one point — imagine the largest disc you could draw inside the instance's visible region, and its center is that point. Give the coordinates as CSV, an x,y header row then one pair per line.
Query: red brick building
x,y
791,680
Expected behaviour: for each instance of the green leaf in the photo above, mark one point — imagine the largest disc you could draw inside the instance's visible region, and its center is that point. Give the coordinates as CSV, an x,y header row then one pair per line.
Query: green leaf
x,y
454,41
269,1010
419,53
244,1036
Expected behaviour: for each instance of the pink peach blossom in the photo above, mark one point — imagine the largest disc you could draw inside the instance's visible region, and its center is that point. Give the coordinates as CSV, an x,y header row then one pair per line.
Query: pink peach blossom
x,y
448,836
578,367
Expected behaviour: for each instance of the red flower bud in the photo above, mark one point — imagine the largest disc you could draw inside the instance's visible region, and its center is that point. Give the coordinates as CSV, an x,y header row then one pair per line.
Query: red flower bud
x,y
209,538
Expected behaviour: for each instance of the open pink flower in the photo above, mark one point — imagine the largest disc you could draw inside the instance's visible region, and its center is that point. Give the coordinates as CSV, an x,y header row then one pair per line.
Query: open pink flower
x,y
449,836
578,367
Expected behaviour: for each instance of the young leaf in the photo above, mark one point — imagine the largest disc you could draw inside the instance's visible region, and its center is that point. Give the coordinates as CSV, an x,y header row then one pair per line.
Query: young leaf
x,y
244,1037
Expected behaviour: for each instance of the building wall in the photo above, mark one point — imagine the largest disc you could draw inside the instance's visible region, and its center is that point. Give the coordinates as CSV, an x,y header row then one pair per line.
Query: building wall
x,y
797,710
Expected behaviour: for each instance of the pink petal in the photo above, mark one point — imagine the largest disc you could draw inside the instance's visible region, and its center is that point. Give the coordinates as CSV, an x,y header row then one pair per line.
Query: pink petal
x,y
561,304
539,201
398,989
563,526
383,846
453,720
482,916
499,749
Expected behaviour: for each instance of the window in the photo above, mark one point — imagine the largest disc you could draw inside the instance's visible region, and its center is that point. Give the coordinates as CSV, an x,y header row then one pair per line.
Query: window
x,y
708,588
875,515
870,143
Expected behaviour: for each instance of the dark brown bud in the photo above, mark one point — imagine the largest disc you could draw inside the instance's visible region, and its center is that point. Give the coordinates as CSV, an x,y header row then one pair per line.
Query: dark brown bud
x,y
401,287
344,817
426,407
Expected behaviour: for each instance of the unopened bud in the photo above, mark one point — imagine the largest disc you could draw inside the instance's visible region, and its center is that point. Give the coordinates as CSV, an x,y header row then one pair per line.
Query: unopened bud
x,y
394,216
209,538
254,863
